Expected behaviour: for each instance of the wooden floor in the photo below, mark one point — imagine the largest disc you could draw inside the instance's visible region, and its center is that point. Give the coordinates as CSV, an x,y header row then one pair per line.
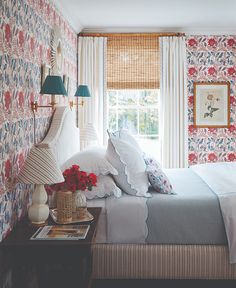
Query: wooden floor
x,y
164,283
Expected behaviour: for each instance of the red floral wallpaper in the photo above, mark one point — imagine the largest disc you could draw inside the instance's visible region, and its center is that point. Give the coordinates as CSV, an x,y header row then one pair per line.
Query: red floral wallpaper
x,y
211,58
25,35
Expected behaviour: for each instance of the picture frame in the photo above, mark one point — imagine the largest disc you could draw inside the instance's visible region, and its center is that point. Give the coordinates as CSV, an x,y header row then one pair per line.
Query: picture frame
x,y
211,104
45,71
66,82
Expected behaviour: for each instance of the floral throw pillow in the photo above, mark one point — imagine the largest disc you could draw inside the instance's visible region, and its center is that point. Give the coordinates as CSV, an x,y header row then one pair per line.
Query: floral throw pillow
x,y
157,177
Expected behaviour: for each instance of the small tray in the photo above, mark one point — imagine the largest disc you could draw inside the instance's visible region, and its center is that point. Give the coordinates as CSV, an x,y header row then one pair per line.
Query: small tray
x,y
75,219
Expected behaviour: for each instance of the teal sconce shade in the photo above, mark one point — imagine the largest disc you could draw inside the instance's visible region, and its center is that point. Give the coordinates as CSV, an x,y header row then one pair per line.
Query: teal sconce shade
x,y
82,91
53,85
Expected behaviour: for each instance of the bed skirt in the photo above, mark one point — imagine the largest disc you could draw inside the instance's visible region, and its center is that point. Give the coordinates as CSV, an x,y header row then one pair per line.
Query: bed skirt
x,y
147,261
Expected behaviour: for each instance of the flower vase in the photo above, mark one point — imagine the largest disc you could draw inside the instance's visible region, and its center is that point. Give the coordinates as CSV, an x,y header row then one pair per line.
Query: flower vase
x,y
79,205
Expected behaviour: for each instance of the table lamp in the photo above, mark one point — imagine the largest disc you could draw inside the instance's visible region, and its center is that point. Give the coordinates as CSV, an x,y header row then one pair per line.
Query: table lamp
x,y
40,168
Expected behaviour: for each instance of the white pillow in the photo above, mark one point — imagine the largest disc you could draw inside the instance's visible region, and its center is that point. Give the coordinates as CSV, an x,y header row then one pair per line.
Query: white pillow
x,y
91,160
105,187
126,159
126,136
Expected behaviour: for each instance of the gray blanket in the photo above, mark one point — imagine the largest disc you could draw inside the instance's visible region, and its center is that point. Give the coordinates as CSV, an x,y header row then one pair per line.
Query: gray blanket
x,y
193,216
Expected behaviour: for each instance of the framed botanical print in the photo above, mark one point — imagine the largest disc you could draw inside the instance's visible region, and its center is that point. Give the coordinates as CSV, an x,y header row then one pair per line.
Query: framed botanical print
x,y
212,104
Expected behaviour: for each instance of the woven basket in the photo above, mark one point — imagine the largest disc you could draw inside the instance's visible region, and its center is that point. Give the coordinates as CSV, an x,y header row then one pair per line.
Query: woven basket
x,y
64,207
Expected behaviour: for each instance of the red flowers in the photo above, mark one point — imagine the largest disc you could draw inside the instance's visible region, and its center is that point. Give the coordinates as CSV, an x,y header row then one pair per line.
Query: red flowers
x,y
21,38
7,33
212,157
190,100
192,42
192,157
7,169
76,180
192,129
231,71
212,42
211,71
7,98
192,71
21,99
231,157
231,42
232,128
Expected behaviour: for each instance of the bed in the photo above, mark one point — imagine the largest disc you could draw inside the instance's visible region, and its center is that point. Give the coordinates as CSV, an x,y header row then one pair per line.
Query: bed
x,y
186,241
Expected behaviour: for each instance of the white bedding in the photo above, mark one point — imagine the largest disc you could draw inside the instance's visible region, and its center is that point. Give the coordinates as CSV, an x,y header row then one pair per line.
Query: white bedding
x,y
127,214
221,178
123,220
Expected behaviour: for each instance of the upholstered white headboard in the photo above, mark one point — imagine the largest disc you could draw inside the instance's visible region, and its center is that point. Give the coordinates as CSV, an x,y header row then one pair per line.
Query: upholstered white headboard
x,y
63,136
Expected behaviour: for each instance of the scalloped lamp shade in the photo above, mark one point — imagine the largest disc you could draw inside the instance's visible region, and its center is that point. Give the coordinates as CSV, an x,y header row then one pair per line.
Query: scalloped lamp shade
x,y
82,91
53,85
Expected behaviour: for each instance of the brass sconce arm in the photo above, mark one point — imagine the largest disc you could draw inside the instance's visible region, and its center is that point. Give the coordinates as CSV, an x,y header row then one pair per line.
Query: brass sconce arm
x,y
35,106
71,103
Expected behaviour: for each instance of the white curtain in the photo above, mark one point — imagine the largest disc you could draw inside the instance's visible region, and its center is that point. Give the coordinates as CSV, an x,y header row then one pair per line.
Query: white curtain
x,y
173,102
91,71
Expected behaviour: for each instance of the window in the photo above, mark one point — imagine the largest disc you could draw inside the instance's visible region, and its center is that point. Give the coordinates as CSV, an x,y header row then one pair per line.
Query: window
x,y
133,88
137,111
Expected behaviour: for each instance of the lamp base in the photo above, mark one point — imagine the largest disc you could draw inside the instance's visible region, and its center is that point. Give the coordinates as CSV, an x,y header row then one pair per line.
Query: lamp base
x,y
38,224
39,211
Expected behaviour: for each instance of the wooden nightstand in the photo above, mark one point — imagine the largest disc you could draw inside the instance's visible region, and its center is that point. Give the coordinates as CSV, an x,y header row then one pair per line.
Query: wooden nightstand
x,y
55,263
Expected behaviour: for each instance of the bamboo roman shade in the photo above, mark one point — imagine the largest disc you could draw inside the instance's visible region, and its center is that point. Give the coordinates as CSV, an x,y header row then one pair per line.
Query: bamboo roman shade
x,y
133,62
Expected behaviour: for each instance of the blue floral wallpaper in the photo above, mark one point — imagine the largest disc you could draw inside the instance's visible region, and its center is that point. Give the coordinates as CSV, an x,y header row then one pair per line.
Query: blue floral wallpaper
x,y
25,35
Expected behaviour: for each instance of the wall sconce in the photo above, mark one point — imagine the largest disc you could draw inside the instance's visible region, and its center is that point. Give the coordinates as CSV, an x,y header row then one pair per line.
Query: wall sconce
x,y
52,85
82,91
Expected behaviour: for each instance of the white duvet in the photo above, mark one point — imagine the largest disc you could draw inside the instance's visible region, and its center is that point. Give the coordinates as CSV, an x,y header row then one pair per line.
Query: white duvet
x,y
123,220
221,178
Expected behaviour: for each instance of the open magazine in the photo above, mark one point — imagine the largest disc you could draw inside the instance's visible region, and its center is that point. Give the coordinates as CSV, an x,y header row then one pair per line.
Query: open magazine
x,y
61,232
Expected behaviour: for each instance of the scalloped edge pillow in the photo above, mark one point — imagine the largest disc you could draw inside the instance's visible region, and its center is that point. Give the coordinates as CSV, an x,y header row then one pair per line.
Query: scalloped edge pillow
x,y
91,160
128,161
105,188
125,135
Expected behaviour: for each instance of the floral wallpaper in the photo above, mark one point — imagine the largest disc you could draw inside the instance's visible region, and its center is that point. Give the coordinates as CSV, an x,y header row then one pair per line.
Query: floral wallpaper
x,y
25,35
211,58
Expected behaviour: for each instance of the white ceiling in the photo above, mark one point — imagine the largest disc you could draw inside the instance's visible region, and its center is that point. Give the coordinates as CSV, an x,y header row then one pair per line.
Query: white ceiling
x,y
190,16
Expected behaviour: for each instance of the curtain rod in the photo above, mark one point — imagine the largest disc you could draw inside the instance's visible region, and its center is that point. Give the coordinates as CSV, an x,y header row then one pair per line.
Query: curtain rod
x,y
160,34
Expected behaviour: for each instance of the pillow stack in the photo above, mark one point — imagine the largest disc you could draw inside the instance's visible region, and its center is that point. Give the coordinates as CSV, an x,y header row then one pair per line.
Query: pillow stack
x,y
123,162
125,155
93,160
